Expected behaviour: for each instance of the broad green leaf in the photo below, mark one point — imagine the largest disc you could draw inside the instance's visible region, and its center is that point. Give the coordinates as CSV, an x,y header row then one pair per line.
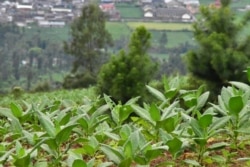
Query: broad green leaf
x,y
205,120
154,112
104,164
65,119
235,105
196,128
152,154
29,137
171,93
15,124
128,151
83,123
112,153
217,146
174,146
100,111
217,124
112,135
125,131
86,149
52,145
192,162
64,134
141,160
225,96
124,113
190,102
167,124
240,85
47,124
169,110
23,161
156,93
16,110
6,155
142,113
202,100
126,163
41,164
201,141
79,163
132,101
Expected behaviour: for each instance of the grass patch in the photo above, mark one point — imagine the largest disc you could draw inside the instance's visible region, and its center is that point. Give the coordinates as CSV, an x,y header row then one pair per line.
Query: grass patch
x,y
118,29
161,26
130,12
175,38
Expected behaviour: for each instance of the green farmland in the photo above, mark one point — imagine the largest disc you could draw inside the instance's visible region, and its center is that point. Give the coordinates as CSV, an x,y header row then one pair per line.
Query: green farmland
x,y
176,32
161,26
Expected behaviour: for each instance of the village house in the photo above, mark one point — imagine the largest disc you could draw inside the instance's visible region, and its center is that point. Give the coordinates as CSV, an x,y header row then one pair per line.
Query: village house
x,y
110,10
173,14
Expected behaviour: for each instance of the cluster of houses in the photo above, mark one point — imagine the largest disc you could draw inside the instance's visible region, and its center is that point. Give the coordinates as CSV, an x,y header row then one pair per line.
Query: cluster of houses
x,y
58,13
45,13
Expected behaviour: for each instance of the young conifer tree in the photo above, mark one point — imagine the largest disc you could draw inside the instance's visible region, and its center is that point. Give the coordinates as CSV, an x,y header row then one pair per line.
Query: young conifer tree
x,y
127,73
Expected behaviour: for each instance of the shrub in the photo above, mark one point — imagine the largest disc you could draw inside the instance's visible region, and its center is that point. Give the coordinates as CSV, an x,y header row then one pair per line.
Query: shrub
x,y
126,75
83,80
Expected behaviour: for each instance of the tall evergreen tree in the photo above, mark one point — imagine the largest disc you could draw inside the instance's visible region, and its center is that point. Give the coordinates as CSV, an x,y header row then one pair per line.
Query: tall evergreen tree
x,y
89,37
221,55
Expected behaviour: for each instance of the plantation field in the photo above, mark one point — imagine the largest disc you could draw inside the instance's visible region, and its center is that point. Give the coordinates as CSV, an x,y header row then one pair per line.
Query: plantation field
x,y
80,129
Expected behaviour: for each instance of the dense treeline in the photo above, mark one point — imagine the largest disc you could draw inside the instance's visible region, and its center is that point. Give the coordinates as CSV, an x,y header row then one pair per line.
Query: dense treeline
x,y
24,60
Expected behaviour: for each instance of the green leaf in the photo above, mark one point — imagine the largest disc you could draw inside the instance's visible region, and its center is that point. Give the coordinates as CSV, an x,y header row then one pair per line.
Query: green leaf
x,y
235,105
124,113
169,110
205,120
65,119
112,153
218,123
171,93
41,164
79,163
167,124
83,123
141,160
128,151
16,110
154,112
152,154
202,100
201,141
125,163
64,134
143,113
23,161
192,162
47,124
125,131
240,85
174,146
156,93
52,144
15,124
196,128
112,135
217,146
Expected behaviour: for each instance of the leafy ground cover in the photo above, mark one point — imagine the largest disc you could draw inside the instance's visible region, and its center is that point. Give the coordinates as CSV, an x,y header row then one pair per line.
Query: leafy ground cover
x,y
178,128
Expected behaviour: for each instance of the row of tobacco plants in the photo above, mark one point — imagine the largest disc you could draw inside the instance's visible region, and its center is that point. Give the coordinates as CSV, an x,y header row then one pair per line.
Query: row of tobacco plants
x,y
180,128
